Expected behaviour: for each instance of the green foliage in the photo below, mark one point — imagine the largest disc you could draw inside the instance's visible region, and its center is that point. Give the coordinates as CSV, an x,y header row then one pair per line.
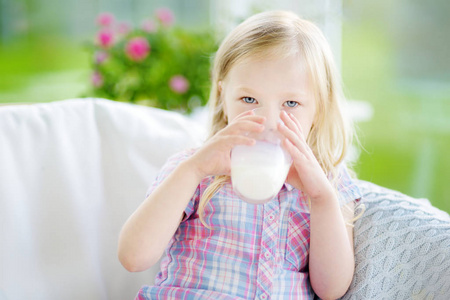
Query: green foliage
x,y
169,66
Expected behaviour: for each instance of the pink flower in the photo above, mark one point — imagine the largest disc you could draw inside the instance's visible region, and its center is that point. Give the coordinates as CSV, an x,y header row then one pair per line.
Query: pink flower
x,y
105,19
179,84
100,57
137,49
105,38
97,79
165,16
148,26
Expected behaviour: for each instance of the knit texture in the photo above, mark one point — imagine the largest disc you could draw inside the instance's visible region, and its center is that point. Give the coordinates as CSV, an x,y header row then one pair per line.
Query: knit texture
x,y
402,248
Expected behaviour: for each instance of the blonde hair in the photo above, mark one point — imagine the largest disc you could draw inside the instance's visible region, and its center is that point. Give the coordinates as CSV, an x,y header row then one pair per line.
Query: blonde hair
x,y
282,34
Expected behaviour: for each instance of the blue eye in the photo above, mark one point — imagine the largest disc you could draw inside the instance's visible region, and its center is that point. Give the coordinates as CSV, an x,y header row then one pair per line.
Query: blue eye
x,y
291,103
249,100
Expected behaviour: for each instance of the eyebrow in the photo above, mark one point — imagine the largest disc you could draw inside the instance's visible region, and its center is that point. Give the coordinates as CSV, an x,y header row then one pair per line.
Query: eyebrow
x,y
291,94
245,90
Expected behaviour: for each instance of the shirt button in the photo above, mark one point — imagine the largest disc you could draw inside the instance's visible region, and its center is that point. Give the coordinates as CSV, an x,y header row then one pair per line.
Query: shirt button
x,y
263,297
271,217
267,255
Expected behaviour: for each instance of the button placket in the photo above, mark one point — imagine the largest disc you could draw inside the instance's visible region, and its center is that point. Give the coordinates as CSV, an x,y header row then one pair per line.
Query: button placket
x,y
269,242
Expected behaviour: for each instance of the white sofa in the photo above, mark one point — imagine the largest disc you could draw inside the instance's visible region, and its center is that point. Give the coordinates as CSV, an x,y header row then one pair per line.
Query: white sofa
x,y
71,172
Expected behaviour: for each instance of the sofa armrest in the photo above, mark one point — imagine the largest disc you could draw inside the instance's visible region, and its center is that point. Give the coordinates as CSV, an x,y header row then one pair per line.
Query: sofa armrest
x,y
402,248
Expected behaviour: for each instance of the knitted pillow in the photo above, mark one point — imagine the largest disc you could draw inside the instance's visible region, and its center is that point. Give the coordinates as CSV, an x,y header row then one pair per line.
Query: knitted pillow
x,y
402,248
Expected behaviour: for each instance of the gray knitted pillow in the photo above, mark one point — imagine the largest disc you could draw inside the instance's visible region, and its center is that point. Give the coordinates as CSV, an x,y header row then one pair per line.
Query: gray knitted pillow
x,y
402,248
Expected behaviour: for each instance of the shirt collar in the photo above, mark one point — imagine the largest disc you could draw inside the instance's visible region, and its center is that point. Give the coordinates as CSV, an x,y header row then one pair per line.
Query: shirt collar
x,y
288,186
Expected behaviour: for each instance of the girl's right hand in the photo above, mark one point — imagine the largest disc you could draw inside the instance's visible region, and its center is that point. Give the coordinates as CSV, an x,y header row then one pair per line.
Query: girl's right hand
x,y
213,158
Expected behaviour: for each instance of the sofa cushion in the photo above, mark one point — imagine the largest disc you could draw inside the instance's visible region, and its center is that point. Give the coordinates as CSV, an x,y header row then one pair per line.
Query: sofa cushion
x,y
71,173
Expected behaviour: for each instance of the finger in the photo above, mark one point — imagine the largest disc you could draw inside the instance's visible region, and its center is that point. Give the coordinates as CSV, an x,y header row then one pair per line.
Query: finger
x,y
293,137
243,126
296,122
292,122
254,118
301,162
300,128
246,122
249,114
230,141
295,153
245,113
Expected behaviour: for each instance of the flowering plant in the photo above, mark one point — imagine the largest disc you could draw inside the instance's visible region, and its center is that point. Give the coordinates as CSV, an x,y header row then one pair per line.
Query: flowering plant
x,y
157,64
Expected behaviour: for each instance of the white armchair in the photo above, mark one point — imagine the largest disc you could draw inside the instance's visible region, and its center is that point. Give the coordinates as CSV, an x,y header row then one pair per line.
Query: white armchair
x,y
71,172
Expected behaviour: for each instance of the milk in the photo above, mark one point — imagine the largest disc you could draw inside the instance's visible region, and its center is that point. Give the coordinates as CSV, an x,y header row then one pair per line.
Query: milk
x,y
258,172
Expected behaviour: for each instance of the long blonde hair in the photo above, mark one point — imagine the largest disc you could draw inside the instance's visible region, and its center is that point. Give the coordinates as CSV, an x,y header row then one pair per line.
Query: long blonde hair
x,y
282,33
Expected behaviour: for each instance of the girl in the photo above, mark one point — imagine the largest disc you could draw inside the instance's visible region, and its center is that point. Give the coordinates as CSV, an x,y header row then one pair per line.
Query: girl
x,y
218,246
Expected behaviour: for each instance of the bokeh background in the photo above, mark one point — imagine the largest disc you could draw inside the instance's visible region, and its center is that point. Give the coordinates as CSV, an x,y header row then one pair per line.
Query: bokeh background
x,y
394,56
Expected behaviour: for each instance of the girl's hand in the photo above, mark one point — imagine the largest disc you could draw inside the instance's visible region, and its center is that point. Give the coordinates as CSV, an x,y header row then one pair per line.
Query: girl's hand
x,y
306,173
213,158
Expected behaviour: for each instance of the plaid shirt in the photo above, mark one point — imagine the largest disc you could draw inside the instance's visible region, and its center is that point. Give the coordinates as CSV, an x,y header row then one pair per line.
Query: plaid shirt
x,y
252,251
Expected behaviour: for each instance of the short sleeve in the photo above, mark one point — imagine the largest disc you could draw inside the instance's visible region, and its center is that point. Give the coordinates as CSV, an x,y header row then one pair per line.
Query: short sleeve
x,y
170,165
347,187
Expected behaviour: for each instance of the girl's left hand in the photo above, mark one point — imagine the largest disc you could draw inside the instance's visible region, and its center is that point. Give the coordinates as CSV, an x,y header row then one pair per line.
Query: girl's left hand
x,y
306,173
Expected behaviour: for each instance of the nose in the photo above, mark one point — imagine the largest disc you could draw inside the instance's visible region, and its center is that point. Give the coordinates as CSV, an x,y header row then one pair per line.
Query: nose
x,y
272,115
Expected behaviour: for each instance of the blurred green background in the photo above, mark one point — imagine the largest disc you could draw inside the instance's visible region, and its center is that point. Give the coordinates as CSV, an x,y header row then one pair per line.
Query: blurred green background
x,y
395,56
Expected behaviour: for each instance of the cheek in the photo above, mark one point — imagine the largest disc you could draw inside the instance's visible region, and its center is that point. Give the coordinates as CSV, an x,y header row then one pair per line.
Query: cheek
x,y
306,126
233,112
306,121
309,121
227,109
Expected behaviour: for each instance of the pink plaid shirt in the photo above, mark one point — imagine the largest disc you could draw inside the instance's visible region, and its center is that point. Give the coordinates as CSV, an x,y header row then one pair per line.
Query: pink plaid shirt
x,y
252,251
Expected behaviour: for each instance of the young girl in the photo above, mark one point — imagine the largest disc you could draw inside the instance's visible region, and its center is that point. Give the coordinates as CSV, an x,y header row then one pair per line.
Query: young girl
x,y
217,246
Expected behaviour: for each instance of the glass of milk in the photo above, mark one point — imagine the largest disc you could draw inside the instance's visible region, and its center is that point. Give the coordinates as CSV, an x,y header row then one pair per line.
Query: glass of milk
x,y
258,172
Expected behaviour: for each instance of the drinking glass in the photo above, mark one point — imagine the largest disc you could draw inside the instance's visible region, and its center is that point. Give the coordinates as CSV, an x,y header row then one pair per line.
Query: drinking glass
x,y
258,172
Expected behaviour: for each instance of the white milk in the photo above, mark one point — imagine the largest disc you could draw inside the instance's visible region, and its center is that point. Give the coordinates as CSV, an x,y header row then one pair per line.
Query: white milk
x,y
258,172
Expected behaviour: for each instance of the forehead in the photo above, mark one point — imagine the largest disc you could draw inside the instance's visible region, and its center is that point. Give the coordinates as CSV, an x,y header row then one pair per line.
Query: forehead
x,y
267,71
